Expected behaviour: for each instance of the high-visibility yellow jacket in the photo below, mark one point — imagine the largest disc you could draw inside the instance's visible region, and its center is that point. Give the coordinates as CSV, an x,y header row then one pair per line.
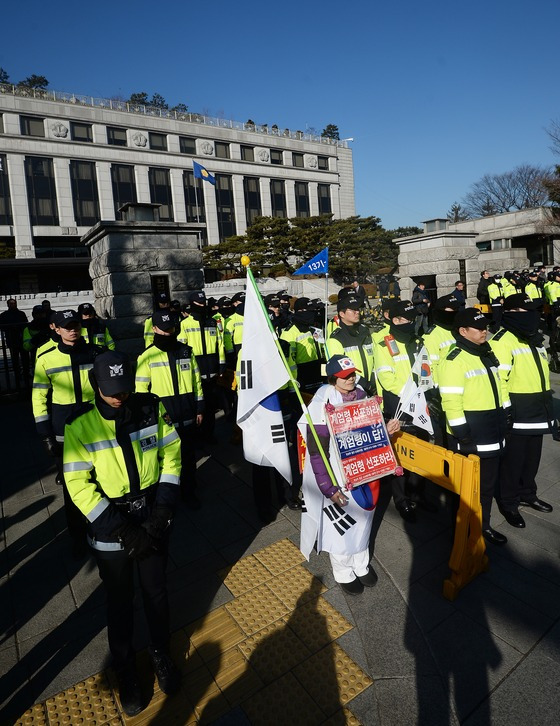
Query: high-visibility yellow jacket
x,y
98,333
355,342
438,342
112,460
34,337
174,377
471,397
62,369
533,291
525,380
305,355
496,291
552,292
207,343
393,371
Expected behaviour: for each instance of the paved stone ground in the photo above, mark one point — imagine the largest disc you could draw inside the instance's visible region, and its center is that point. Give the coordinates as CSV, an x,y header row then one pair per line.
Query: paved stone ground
x,y
490,657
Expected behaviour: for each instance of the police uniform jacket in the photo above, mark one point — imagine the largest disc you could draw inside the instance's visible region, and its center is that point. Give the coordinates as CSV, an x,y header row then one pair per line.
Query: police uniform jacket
x,y
356,343
34,336
535,292
471,397
438,341
525,380
304,355
495,292
207,343
174,377
97,332
233,337
110,461
394,371
552,292
62,369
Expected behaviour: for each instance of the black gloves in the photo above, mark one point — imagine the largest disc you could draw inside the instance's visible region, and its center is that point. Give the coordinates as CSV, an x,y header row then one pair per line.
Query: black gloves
x,y
509,420
158,522
52,447
136,541
467,445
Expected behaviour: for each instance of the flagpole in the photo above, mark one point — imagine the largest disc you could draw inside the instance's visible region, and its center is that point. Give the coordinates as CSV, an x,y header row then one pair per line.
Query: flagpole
x,y
245,261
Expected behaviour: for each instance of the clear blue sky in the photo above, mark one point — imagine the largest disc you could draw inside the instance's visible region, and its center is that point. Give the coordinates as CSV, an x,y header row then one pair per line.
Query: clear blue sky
x,y
435,93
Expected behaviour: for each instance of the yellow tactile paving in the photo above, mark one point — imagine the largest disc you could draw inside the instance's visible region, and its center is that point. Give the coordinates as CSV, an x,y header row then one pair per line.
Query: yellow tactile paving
x,y
274,650
244,575
256,609
280,556
332,678
296,586
270,650
317,623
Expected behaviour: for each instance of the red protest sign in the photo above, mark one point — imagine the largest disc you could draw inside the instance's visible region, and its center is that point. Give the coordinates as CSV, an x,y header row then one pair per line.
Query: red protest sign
x,y
362,441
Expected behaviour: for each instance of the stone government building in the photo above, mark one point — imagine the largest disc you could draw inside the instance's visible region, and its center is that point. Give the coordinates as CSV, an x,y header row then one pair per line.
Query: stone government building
x,y
68,161
449,251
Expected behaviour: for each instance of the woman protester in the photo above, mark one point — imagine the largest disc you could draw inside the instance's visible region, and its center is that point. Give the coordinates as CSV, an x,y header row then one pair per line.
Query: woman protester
x,y
342,528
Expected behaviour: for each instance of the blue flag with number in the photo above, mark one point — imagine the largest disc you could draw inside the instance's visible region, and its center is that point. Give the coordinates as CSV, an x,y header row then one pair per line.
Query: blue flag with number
x,y
319,265
201,173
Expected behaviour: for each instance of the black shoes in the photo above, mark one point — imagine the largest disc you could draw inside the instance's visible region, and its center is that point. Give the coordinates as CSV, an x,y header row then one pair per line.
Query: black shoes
x,y
353,588
426,505
166,671
407,510
294,504
369,579
129,690
538,505
513,517
496,538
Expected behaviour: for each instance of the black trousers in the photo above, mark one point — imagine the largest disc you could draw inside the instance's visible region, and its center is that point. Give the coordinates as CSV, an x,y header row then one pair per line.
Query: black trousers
x,y
75,520
489,481
206,429
519,469
116,570
187,435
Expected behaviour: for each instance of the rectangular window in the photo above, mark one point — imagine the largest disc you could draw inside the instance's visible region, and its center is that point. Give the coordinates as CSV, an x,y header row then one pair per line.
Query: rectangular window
x,y
297,159
194,198
1,123
248,153
222,150
32,126
5,205
302,199
276,157
323,163
225,206
84,192
278,198
324,195
81,132
158,142
41,191
116,136
124,186
160,192
187,145
252,192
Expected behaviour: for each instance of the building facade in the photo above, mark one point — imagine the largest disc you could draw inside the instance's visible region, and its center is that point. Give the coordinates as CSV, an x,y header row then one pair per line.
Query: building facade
x,y
68,161
449,251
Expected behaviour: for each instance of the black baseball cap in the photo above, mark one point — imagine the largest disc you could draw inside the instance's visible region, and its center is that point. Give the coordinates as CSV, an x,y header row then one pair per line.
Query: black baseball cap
x,y
470,318
303,303
64,318
519,300
86,309
348,302
164,320
114,373
238,297
447,301
272,301
404,309
162,297
198,296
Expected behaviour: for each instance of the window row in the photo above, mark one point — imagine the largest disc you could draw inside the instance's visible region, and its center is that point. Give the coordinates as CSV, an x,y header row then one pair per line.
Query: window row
x,y
43,206
117,136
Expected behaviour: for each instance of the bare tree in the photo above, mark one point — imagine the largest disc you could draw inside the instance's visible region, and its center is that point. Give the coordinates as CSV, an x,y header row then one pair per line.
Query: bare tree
x,y
521,188
554,133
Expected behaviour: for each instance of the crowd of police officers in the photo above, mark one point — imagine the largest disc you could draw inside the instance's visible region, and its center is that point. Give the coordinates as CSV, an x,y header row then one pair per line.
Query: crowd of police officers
x,y
123,437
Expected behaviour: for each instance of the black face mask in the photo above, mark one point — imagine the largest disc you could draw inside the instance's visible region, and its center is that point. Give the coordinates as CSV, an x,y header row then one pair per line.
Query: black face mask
x,y
526,324
404,333
198,312
444,318
226,311
305,317
165,342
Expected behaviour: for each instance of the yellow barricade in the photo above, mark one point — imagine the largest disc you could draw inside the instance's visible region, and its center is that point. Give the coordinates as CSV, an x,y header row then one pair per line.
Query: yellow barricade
x,y
483,307
461,475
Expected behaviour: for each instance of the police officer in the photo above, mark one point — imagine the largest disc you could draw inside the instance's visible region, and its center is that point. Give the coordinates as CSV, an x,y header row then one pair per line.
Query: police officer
x,y
395,356
161,303
496,297
233,333
301,347
122,464
526,392
272,303
169,369
62,370
201,331
37,332
471,398
534,290
94,329
353,339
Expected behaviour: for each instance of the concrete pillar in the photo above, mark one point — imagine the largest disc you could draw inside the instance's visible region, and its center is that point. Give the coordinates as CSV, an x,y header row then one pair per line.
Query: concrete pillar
x,y
23,231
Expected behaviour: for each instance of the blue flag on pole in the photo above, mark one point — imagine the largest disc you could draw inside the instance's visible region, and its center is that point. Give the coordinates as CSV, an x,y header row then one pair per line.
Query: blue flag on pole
x,y
201,173
319,265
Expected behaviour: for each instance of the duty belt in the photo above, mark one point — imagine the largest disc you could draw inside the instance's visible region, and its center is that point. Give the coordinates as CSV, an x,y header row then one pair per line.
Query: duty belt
x,y
134,502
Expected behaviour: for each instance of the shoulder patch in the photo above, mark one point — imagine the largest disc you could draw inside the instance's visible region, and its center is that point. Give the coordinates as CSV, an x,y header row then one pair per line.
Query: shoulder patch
x,y
82,408
500,334
453,354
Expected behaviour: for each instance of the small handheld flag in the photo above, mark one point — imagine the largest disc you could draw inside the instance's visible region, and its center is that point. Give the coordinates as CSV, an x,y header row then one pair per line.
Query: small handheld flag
x,y
318,265
200,172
